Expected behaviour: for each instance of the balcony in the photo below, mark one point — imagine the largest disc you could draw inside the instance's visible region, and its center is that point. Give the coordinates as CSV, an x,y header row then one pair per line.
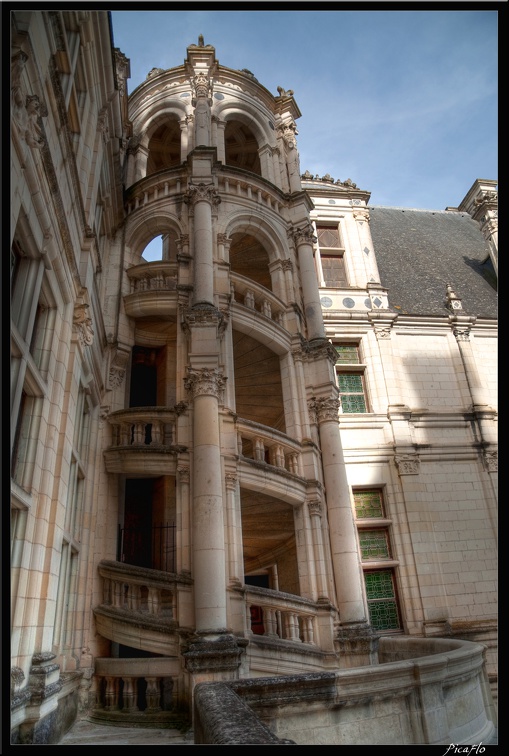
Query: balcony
x,y
153,290
143,441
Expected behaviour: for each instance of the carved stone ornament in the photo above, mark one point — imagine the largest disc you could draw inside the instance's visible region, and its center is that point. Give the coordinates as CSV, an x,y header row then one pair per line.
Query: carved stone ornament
x,y
202,85
491,461
118,365
289,131
203,315
17,677
407,464
285,92
200,192
134,143
361,215
315,507
82,324
183,473
383,333
26,110
205,382
154,72
304,234
121,70
462,334
287,264
325,409
231,481
102,125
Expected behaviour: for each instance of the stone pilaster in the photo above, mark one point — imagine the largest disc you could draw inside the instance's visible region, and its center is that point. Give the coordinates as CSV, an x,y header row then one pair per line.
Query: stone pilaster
x,y
303,238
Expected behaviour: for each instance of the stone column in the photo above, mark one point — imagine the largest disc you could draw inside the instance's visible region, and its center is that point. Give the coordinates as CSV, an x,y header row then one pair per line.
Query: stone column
x,y
303,238
209,567
345,557
203,197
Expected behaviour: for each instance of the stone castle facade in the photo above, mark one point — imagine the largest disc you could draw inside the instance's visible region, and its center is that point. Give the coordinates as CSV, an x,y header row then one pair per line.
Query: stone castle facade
x,y
263,451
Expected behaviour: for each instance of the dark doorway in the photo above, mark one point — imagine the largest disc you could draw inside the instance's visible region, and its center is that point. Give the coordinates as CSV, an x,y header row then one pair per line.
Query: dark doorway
x,y
143,378
137,533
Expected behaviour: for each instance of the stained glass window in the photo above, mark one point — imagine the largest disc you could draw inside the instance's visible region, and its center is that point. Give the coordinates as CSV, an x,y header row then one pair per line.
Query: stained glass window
x,y
383,610
351,391
368,504
374,544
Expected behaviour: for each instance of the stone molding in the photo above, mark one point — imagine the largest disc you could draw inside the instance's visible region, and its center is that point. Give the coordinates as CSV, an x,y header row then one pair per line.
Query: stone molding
x,y
223,654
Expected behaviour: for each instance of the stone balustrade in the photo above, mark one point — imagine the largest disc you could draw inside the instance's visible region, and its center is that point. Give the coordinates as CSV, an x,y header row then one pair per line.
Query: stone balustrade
x,y
143,426
264,444
281,615
153,276
230,182
256,297
139,589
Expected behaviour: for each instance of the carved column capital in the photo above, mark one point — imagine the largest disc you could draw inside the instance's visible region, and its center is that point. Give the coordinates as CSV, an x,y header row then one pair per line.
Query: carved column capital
x,y
231,481
205,382
407,464
303,234
383,332
324,409
315,507
118,363
183,473
202,193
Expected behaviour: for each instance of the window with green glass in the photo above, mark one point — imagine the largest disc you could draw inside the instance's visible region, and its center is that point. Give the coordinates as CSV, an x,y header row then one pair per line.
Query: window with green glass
x,y
382,604
374,544
368,504
347,354
351,391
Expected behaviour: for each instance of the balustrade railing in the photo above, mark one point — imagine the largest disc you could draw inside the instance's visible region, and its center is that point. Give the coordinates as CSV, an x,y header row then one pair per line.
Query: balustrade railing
x,y
255,297
153,276
143,426
135,685
276,615
169,183
264,444
139,589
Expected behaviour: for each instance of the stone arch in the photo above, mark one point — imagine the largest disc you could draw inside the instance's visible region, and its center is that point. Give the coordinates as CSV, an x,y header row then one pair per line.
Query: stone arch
x,y
255,245
241,147
250,116
142,230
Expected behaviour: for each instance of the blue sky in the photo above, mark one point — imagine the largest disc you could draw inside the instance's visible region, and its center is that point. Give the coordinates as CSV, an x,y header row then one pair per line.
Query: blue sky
x,y
404,103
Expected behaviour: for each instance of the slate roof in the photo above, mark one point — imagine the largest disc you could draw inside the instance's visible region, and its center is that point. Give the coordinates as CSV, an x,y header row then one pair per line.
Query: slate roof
x,y
419,252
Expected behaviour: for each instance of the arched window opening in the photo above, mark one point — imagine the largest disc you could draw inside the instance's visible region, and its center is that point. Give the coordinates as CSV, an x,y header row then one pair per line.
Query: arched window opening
x,y
154,250
249,258
258,388
164,147
241,147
